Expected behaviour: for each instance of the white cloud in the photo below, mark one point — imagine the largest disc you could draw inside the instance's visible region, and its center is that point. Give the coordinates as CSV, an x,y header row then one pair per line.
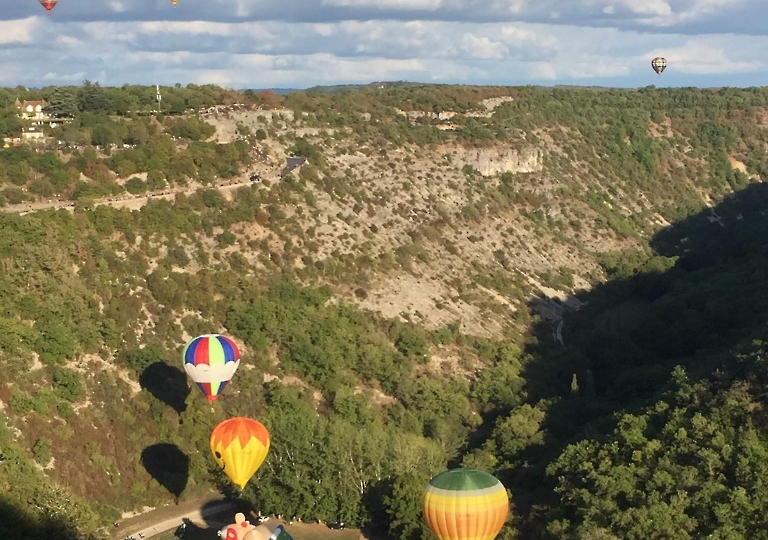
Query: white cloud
x,y
645,7
51,76
186,27
482,47
543,70
67,42
117,6
323,29
260,43
517,35
510,6
695,10
580,67
387,4
702,58
19,30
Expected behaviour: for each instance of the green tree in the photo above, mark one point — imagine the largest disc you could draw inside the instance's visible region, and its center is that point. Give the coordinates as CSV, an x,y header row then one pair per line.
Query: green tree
x,y
62,103
42,450
67,384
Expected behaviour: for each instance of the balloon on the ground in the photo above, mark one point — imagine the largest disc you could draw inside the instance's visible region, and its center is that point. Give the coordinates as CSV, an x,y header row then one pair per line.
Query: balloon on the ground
x,y
239,446
243,530
659,64
465,504
210,361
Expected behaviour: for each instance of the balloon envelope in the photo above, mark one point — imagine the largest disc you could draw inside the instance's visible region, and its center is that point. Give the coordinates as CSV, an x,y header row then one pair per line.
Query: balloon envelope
x,y
465,504
265,531
240,445
659,64
211,361
48,4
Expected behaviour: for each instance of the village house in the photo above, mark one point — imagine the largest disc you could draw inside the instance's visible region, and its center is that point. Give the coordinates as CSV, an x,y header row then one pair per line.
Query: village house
x,y
32,133
32,110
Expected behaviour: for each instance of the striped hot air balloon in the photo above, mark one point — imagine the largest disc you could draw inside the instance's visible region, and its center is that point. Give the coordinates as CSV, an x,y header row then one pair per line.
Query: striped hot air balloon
x,y
240,445
211,361
659,64
465,504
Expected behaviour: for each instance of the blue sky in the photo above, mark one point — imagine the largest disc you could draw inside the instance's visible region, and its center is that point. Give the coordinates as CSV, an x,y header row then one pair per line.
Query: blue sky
x,y
302,43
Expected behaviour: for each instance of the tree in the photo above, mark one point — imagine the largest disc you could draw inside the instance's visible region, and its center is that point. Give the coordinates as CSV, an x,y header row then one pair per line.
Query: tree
x,y
135,186
403,506
92,98
62,103
42,450
55,344
67,384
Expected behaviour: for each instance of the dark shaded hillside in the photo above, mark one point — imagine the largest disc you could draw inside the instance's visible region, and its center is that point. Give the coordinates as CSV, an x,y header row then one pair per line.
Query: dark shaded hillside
x,y
659,389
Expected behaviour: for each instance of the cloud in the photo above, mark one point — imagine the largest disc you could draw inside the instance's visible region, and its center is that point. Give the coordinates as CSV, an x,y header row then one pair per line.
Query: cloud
x,y
703,58
67,42
51,76
415,5
300,43
482,47
18,31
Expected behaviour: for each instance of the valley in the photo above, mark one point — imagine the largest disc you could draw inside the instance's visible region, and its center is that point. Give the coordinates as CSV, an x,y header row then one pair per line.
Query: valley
x,y
561,286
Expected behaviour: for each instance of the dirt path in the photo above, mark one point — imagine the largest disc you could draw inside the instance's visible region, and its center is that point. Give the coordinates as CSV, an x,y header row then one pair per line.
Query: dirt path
x,y
132,202
162,519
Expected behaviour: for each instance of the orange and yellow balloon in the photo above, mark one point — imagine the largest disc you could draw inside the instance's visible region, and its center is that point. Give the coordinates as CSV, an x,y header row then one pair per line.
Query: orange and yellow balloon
x,y
240,446
465,504
174,2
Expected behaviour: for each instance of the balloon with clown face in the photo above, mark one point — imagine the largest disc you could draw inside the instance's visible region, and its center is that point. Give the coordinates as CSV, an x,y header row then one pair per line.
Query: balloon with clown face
x,y
243,530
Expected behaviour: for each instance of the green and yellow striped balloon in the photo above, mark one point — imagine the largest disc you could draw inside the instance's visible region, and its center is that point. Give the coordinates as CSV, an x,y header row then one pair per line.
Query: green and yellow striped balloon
x,y
465,504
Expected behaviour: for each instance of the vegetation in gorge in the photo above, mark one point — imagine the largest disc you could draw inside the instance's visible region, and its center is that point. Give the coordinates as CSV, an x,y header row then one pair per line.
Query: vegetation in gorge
x,y
647,420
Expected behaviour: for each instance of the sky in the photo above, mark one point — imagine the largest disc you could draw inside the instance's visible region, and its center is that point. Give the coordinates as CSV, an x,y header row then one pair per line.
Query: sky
x,y
303,43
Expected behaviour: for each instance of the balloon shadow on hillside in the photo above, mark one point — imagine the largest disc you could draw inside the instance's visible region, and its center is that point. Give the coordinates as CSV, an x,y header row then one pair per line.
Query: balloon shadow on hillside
x,y
166,383
17,523
168,465
217,520
192,531
619,342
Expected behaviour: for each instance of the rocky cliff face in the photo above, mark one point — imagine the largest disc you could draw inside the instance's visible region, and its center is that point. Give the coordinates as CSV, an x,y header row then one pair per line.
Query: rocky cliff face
x,y
491,161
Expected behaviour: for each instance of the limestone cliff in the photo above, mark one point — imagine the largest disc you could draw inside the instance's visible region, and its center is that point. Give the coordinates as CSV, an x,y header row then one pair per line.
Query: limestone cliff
x,y
491,161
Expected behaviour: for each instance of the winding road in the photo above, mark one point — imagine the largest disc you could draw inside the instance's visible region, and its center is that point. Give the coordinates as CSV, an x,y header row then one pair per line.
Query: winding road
x,y
133,202
140,527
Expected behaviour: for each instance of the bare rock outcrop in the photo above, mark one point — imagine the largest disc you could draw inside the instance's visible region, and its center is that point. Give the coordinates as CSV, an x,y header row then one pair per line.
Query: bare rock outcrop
x,y
491,161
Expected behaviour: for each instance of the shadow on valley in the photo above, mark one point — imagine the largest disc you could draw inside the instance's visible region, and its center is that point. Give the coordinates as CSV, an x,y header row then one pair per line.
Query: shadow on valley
x,y
17,523
192,531
168,465
219,519
702,293
166,383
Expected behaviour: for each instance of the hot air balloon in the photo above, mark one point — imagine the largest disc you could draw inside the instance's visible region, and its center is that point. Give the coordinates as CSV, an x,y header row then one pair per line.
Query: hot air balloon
x,y
464,504
240,446
243,530
48,5
175,2
659,64
211,361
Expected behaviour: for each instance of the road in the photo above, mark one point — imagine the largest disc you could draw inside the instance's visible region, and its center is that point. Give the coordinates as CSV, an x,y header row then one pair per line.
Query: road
x,y
172,523
133,202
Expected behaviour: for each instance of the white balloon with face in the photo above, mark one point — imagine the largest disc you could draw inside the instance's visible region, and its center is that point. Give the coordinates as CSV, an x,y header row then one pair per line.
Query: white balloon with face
x,y
203,373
